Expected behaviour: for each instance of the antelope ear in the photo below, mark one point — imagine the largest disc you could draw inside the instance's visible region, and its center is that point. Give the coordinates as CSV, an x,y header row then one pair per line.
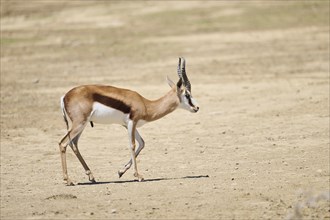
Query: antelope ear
x,y
170,82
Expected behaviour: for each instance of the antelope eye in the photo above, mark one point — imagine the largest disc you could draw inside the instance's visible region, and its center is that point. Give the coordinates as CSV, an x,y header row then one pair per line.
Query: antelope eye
x,y
187,96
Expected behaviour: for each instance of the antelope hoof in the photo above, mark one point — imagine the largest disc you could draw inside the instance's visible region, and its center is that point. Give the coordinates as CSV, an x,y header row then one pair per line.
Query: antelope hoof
x,y
90,176
69,182
120,173
92,180
140,177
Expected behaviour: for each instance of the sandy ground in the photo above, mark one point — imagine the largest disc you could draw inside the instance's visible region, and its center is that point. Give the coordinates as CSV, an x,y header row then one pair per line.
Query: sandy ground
x,y
258,148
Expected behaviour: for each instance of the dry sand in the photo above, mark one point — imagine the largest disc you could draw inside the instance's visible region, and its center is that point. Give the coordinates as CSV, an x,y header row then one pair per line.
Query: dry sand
x,y
258,148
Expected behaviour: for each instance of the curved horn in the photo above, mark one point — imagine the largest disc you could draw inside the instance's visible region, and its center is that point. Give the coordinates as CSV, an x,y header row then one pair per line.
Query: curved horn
x,y
184,75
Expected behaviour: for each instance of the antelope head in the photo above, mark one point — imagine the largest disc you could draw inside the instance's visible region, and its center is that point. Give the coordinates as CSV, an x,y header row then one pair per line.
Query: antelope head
x,y
183,88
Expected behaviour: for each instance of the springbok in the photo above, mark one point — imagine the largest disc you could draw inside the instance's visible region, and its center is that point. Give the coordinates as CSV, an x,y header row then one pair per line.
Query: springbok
x,y
111,105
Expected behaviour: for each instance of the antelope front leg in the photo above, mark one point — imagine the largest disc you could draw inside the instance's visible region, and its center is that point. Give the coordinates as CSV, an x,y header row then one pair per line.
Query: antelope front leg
x,y
129,163
131,127
133,155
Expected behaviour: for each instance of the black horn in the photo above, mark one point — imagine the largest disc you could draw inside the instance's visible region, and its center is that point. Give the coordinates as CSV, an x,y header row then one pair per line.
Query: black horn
x,y
184,75
179,68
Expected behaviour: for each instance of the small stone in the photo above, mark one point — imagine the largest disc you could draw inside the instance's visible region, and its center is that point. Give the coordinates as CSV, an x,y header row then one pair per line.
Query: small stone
x,y
36,81
113,211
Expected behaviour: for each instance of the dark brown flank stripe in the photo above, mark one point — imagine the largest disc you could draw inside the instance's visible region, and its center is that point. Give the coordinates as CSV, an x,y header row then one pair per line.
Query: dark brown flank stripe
x,y
111,102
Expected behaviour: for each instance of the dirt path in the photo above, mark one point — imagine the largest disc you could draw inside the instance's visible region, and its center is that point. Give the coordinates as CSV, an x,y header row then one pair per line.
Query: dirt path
x,y
258,148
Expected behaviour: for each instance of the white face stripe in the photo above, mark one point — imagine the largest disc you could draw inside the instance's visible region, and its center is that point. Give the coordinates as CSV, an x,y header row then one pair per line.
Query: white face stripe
x,y
188,103
194,102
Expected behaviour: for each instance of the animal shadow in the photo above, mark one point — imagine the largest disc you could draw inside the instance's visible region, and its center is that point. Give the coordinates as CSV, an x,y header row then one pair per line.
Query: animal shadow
x,y
146,180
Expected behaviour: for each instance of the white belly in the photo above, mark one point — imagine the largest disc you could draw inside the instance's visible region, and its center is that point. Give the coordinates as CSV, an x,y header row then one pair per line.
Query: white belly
x,y
107,115
103,114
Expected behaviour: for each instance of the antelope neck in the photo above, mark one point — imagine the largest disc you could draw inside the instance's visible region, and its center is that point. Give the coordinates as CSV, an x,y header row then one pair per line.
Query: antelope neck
x,y
159,108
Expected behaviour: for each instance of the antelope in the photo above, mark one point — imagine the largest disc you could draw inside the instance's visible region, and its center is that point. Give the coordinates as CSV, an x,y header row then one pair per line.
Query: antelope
x,y
112,105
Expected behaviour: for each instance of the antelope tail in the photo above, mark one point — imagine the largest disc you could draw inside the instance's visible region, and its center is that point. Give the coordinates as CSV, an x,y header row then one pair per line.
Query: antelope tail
x,y
64,113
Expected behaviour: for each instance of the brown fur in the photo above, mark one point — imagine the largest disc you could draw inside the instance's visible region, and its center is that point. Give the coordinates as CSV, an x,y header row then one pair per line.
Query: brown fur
x,y
79,101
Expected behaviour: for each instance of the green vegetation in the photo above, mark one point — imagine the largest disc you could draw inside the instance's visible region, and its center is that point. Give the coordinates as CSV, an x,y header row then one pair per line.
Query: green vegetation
x,y
6,41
